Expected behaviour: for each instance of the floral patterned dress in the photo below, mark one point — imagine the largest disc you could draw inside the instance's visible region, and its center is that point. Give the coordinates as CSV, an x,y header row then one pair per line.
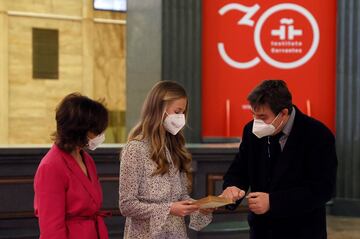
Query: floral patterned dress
x,y
145,199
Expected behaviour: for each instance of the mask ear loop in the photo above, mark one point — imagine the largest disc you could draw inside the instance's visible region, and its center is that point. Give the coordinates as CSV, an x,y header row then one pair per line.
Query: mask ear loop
x,y
280,122
275,118
280,125
163,116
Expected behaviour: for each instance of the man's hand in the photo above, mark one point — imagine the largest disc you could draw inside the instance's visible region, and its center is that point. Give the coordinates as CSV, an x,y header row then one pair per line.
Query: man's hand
x,y
258,202
233,193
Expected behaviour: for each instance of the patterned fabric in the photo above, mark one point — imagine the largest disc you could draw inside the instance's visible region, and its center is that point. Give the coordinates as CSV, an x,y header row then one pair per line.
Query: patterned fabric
x,y
145,199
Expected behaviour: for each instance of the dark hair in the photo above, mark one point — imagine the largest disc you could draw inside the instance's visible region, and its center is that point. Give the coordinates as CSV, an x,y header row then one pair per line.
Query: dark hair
x,y
76,115
273,93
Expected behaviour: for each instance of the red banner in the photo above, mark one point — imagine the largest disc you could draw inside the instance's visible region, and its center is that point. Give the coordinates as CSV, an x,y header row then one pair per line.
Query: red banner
x,y
245,42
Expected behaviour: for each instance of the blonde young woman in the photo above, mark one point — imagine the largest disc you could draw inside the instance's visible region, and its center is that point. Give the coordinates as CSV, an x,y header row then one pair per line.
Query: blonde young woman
x,y
154,170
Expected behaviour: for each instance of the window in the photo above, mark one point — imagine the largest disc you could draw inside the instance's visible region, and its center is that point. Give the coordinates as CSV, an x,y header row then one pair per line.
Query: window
x,y
112,5
45,45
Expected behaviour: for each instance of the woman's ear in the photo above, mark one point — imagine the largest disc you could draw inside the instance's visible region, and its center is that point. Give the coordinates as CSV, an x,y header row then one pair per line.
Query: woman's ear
x,y
90,135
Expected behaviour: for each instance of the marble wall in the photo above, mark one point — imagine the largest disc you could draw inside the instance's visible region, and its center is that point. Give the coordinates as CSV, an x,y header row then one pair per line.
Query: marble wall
x,y
91,61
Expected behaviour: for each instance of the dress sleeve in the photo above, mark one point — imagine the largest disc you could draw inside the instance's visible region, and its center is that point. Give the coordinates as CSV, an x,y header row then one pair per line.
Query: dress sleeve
x,y
197,220
49,202
130,203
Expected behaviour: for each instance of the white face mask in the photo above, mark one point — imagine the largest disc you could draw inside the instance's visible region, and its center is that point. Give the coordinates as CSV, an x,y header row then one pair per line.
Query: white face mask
x,y
95,142
262,129
173,123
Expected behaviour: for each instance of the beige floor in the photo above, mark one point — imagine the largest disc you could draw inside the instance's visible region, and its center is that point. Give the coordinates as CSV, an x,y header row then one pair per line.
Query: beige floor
x,y
343,227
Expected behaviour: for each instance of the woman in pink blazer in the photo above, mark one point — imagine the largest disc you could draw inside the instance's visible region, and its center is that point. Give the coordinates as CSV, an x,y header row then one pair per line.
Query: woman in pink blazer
x,y
68,194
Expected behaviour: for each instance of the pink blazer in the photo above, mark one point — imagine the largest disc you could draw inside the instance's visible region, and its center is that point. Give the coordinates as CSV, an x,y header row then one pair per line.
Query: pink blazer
x,y
67,202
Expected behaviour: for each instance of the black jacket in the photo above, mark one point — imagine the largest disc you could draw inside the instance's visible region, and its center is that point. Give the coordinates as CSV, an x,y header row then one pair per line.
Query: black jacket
x,y
299,184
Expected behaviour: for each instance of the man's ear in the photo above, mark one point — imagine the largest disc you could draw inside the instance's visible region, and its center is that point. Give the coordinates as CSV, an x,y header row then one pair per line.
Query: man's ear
x,y
285,111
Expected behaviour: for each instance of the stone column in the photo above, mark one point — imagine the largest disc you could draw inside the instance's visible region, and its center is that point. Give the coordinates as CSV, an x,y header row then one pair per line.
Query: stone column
x,y
143,60
4,83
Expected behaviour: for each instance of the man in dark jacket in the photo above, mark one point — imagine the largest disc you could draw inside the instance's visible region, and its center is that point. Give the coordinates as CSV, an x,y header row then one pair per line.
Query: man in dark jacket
x,y
288,162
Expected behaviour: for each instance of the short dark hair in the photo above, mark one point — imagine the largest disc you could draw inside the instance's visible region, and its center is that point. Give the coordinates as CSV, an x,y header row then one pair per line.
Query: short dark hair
x,y
76,115
273,93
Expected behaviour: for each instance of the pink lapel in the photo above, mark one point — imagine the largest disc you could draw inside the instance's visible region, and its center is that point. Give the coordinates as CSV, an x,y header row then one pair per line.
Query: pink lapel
x,y
90,185
91,167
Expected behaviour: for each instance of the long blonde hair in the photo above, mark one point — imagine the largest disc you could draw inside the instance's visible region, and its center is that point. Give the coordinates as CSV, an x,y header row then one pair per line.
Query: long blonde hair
x,y
151,127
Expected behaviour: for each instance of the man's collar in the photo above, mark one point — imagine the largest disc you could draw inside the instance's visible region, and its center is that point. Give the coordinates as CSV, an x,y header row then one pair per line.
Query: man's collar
x,y
289,124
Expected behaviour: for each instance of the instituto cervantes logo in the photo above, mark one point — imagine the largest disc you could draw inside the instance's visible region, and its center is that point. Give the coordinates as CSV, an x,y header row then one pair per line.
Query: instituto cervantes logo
x,y
286,35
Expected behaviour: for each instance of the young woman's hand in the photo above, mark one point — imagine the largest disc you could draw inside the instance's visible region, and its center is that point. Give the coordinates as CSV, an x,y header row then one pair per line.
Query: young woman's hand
x,y
183,208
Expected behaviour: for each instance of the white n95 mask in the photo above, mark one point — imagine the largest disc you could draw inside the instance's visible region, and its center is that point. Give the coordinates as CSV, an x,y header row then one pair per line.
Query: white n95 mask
x,y
173,123
95,142
262,129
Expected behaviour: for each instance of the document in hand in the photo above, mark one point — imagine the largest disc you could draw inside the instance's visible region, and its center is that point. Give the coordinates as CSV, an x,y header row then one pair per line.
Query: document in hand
x,y
212,202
